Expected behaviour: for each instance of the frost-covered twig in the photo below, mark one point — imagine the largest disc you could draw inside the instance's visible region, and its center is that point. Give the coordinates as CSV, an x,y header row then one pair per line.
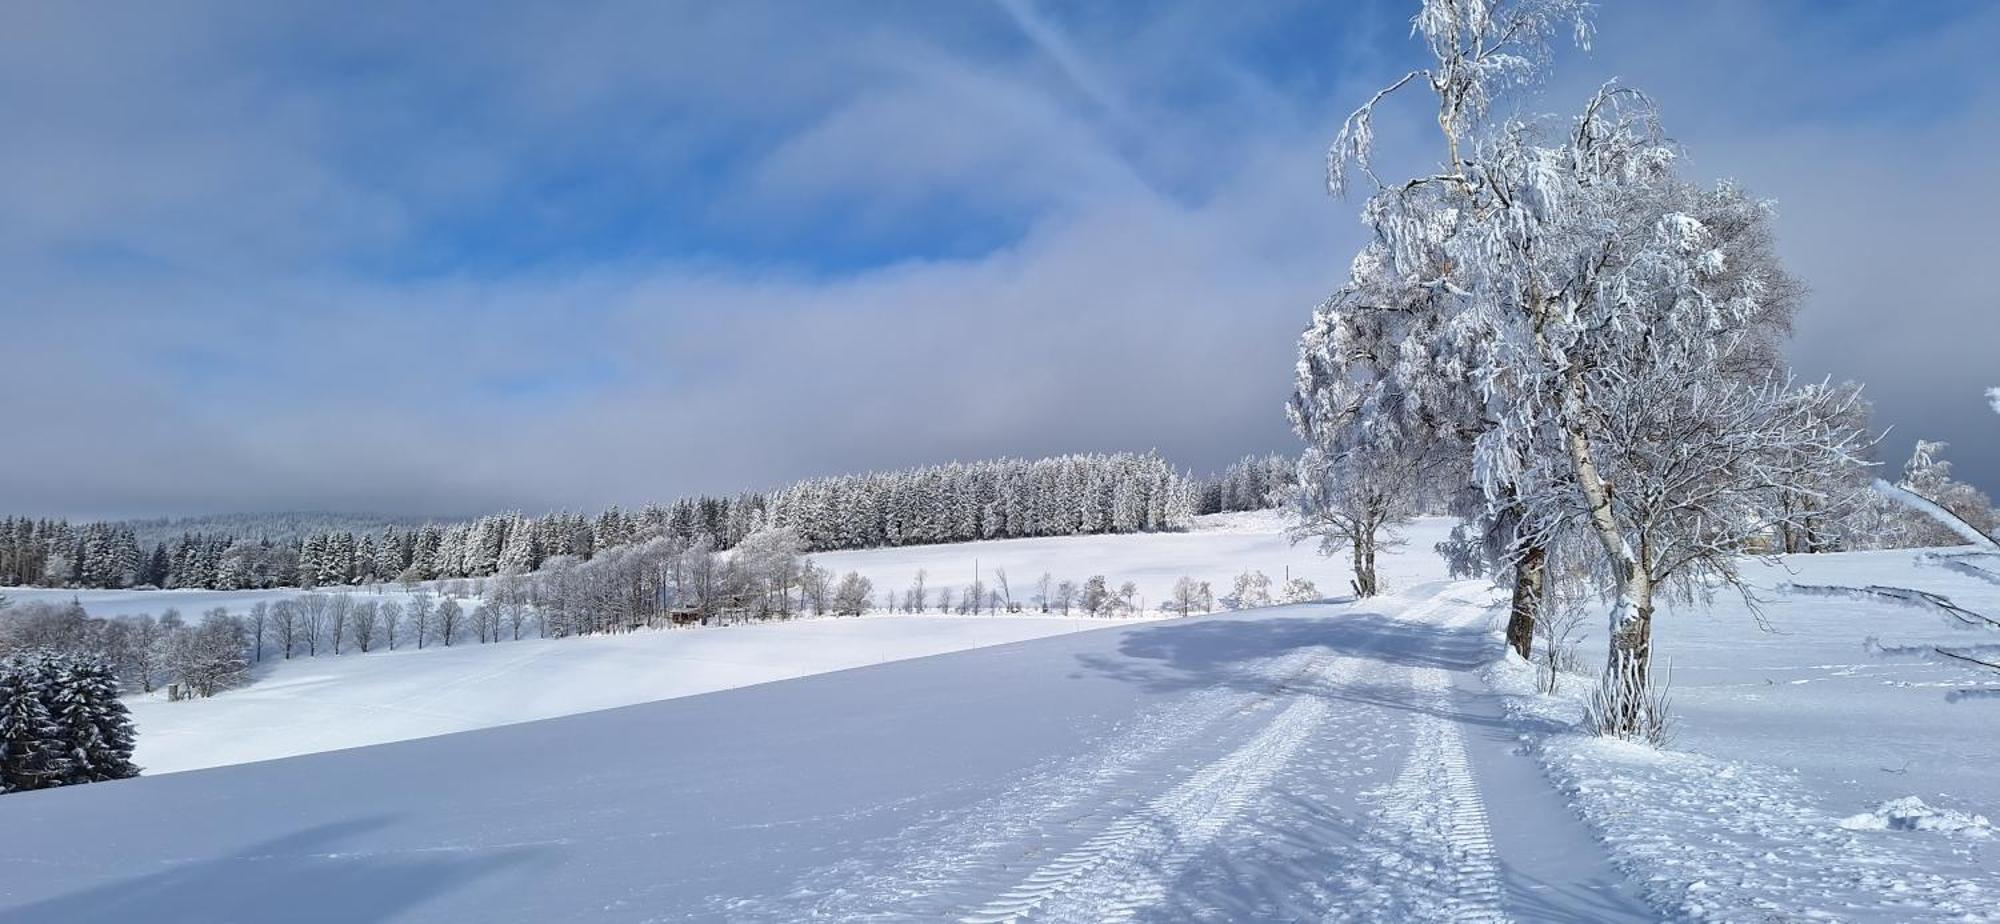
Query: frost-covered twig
x,y
1921,599
1960,655
1958,564
1479,47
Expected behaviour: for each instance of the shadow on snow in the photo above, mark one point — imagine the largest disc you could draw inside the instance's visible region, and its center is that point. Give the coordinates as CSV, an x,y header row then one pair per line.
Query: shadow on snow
x,y
1312,840
300,877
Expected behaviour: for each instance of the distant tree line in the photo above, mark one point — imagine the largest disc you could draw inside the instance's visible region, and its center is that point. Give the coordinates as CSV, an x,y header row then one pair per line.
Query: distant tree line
x,y
1251,483
1007,499
660,582
1069,495
284,526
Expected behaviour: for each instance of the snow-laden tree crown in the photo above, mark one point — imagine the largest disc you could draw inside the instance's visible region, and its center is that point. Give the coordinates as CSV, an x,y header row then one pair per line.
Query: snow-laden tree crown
x,y
1591,332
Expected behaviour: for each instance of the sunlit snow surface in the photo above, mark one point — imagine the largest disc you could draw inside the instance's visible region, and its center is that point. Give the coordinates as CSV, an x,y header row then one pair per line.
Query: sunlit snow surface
x,y
306,705
1792,738
1337,761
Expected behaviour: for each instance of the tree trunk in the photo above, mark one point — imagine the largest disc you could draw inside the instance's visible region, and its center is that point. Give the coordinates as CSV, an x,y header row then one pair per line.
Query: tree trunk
x,y
1628,680
1530,585
1365,584
1628,665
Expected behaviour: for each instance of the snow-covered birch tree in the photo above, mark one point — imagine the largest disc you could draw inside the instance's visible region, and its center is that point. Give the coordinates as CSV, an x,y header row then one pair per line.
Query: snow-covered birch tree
x,y
1602,310
1380,367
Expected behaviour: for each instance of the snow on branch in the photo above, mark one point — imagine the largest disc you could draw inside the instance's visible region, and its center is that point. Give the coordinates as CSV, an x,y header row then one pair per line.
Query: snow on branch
x,y
1920,599
1480,46
1961,655
1356,141
1976,655
1959,564
1931,509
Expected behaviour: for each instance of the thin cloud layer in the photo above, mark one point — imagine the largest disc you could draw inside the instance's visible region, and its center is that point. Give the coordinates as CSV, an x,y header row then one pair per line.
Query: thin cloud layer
x,y
457,260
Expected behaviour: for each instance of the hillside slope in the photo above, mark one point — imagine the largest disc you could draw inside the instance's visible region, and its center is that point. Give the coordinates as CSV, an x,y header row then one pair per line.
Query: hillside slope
x,y
306,705
309,705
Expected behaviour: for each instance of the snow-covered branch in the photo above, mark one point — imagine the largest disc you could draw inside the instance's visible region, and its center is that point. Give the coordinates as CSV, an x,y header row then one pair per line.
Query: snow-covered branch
x,y
1936,512
1919,599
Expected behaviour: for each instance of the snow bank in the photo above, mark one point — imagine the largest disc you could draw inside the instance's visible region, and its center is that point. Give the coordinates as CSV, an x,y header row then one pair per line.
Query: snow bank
x,y
1730,840
1912,814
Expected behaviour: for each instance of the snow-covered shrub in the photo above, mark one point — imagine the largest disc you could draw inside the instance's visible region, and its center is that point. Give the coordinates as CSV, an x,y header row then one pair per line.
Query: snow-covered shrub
x,y
1558,642
1300,590
854,595
1252,588
1632,704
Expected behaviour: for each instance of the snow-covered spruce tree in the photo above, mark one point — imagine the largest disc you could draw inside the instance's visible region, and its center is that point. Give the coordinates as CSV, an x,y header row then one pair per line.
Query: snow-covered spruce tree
x,y
96,727
1251,483
61,722
1598,304
33,754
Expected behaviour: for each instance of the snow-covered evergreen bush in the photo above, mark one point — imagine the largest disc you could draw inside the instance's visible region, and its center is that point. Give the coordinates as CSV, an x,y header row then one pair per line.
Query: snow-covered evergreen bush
x,y
61,722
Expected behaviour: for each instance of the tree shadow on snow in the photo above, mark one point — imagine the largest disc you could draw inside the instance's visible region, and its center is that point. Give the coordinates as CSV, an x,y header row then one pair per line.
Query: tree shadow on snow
x,y
1339,852
1335,844
302,878
1233,651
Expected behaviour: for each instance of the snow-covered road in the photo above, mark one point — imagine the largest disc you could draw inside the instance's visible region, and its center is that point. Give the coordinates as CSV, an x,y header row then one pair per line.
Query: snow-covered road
x,y
1315,762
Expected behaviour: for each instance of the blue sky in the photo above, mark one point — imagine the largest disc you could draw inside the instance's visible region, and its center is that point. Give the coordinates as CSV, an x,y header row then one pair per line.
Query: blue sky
x,y
472,256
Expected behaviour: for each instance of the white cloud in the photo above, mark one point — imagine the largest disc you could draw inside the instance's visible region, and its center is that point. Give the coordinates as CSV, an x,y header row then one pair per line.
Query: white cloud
x,y
199,225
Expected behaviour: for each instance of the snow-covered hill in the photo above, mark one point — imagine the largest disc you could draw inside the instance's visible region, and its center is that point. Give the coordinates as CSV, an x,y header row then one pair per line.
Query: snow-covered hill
x,y
315,704
320,704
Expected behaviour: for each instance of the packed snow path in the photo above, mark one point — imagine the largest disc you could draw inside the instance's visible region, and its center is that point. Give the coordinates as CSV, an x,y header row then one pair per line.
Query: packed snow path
x,y
1327,762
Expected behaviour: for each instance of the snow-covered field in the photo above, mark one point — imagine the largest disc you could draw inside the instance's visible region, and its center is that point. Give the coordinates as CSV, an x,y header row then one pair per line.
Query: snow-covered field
x,y
1220,547
1344,761
319,704
307,705
190,603
1806,770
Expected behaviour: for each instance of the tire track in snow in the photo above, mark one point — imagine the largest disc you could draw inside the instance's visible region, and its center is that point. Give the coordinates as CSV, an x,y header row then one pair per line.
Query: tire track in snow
x,y
1440,862
1128,865
908,878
